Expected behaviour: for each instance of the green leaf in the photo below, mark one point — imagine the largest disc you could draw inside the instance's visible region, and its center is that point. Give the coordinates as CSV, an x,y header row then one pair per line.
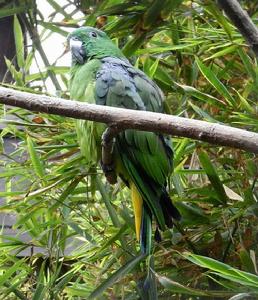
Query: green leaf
x,y
13,289
41,288
249,66
82,232
192,214
6,12
213,176
19,42
109,206
246,260
63,282
213,9
205,116
153,68
35,159
114,237
125,269
152,13
176,287
215,82
133,44
223,52
59,9
157,50
191,91
53,28
10,271
17,76
224,270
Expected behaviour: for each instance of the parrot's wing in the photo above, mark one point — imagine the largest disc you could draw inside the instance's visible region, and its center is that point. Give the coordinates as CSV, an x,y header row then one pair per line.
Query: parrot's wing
x,y
149,92
146,156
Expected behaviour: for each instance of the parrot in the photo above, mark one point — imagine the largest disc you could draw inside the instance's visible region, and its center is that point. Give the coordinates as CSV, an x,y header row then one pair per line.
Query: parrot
x,y
102,75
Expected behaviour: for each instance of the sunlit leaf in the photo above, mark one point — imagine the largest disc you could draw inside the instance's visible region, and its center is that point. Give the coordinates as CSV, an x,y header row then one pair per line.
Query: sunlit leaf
x,y
19,42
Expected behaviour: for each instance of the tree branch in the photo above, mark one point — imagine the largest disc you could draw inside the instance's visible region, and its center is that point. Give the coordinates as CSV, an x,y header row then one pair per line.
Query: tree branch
x,y
242,21
125,118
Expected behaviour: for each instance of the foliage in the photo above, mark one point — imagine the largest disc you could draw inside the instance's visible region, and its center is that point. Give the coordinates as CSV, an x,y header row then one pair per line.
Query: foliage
x,y
81,228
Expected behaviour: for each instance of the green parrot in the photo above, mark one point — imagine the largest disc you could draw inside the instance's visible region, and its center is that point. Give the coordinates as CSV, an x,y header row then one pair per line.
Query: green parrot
x,y
101,74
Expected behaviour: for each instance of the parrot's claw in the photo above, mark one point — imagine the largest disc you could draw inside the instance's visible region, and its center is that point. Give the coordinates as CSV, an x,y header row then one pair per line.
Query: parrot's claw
x,y
107,168
109,171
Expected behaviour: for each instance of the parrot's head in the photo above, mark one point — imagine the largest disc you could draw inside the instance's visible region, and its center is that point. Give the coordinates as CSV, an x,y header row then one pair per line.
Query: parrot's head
x,y
87,43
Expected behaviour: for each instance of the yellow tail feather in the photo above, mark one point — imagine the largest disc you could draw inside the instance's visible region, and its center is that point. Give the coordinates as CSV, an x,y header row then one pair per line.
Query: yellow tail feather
x,y
137,207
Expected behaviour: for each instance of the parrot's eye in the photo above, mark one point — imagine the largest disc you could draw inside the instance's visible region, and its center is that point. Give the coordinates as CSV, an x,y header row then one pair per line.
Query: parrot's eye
x,y
93,34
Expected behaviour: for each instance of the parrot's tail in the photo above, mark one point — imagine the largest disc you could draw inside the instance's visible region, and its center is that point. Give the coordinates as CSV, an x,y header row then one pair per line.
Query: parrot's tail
x,y
143,218
170,212
143,221
146,231
150,199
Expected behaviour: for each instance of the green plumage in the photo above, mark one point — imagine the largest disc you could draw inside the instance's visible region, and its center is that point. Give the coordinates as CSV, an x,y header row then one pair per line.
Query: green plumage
x,y
101,74
82,88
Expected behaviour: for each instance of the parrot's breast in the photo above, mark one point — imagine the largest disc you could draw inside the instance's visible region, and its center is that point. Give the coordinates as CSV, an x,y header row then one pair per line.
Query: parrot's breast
x,y
89,133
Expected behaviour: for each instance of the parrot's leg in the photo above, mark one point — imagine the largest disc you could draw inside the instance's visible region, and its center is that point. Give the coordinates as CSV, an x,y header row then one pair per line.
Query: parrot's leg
x,y
107,159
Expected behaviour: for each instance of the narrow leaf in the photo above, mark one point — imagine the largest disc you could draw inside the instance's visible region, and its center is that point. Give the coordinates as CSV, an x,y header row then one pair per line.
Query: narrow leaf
x,y
224,270
19,42
215,82
7,274
213,176
116,276
35,159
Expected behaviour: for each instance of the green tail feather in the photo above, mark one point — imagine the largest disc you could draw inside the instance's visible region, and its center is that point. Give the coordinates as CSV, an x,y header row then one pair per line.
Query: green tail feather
x,y
146,232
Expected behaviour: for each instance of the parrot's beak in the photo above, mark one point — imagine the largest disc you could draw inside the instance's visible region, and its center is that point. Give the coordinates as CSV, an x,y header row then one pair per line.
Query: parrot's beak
x,y
66,46
78,53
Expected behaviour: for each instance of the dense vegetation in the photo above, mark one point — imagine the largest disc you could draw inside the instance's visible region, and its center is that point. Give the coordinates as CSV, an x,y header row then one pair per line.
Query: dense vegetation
x,y
82,227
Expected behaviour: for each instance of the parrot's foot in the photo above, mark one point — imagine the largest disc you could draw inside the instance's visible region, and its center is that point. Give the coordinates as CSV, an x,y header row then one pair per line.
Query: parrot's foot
x,y
107,159
109,171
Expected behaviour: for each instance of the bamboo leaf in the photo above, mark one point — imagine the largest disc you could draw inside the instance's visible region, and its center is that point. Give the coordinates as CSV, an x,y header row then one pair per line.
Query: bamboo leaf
x,y
125,269
153,68
6,12
223,52
8,273
17,76
35,159
19,42
41,288
215,82
110,208
189,90
224,270
176,287
213,176
179,288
